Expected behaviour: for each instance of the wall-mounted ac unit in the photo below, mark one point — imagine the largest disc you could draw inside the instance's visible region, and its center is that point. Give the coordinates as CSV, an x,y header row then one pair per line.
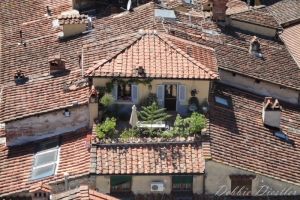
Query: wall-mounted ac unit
x,y
157,186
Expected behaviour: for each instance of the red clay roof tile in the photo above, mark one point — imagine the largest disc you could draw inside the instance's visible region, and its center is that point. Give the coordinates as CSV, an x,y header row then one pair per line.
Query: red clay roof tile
x,y
16,163
239,138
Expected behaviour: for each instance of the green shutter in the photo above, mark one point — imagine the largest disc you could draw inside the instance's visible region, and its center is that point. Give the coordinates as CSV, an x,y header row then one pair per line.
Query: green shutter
x,y
118,180
182,179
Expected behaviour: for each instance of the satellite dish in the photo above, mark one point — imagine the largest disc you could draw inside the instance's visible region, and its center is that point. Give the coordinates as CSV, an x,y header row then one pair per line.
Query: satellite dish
x,y
129,5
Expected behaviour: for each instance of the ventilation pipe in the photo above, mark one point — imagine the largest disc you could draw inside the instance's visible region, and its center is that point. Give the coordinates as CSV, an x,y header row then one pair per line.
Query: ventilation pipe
x,y
188,50
66,175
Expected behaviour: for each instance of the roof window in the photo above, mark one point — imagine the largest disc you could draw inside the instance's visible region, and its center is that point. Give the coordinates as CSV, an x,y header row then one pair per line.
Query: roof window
x,y
221,100
45,159
281,135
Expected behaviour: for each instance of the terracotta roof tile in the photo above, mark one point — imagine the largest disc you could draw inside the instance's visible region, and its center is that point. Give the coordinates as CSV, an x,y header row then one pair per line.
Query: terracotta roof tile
x,y
72,19
149,158
42,95
277,65
283,11
292,42
152,52
239,138
16,163
257,15
82,192
234,6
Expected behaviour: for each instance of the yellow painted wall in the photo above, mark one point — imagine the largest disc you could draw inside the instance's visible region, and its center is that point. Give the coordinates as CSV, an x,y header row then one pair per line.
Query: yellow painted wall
x,y
201,86
251,27
73,29
93,108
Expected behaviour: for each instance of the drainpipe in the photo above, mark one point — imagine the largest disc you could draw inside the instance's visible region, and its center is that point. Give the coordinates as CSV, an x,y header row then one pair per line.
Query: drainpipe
x,y
203,193
82,61
66,175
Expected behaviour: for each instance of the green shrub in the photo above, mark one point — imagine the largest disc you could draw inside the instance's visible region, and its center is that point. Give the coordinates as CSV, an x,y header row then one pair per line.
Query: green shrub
x,y
196,122
128,133
107,128
107,99
148,100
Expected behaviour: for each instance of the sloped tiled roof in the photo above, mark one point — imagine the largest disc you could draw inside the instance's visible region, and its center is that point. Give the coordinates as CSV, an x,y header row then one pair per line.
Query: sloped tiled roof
x,y
16,163
82,192
159,58
148,159
235,6
277,65
41,96
239,138
292,41
257,15
283,10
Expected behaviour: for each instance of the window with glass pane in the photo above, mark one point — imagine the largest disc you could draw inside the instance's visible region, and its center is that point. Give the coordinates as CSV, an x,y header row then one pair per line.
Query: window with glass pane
x,y
176,186
115,187
126,186
124,92
187,186
45,159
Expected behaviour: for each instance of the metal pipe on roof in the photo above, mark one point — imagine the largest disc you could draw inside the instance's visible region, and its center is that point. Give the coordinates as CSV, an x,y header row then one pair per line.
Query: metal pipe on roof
x,y
81,61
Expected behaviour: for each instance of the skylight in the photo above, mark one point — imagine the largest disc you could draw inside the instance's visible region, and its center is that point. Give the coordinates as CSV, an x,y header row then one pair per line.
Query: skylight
x,y
221,100
45,159
281,135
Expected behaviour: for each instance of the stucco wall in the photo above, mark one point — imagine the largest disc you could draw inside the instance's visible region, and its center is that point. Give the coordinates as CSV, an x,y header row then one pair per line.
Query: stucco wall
x,y
73,29
262,88
103,184
218,181
93,108
182,107
261,30
46,125
74,183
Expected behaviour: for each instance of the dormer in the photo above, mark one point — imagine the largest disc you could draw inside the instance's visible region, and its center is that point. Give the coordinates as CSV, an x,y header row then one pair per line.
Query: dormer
x,y
73,24
56,63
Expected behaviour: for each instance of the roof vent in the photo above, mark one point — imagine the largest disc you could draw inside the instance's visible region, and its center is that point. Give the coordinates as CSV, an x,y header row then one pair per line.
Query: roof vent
x,y
73,24
188,50
56,63
271,112
48,12
21,40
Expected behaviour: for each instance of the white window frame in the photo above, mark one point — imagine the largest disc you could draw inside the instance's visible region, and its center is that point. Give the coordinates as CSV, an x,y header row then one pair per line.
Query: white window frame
x,y
115,93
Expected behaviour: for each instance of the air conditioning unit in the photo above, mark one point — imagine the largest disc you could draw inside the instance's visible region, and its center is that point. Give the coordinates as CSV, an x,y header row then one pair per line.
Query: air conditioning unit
x,y
157,186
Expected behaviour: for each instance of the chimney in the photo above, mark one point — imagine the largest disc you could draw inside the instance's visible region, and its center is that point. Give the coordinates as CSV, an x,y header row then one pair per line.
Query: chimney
x,y
73,24
188,50
271,112
254,48
56,63
21,39
66,175
219,9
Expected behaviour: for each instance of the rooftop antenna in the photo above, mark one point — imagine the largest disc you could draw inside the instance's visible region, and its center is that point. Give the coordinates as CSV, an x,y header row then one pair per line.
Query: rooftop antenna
x,y
248,3
48,12
129,3
21,41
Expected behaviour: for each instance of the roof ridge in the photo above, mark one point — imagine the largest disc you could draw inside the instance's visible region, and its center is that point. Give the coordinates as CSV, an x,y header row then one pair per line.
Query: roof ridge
x,y
200,65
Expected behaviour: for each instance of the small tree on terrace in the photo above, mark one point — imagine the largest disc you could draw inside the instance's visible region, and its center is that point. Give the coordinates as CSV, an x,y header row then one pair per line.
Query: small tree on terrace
x,y
151,114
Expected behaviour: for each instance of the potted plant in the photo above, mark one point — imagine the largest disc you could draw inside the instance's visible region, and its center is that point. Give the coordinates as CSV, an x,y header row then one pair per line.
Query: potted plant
x,y
196,122
205,106
194,92
193,103
107,128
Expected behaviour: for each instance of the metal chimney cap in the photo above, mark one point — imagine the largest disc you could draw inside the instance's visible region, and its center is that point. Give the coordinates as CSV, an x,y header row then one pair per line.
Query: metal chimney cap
x,y
66,174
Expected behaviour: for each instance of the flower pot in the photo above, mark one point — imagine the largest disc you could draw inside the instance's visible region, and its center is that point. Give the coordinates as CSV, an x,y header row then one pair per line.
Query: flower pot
x,y
193,93
204,109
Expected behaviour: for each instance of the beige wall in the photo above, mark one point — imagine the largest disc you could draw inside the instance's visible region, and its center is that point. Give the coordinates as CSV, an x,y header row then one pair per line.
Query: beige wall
x,y
46,125
142,184
261,30
202,86
217,180
93,108
73,29
262,88
103,184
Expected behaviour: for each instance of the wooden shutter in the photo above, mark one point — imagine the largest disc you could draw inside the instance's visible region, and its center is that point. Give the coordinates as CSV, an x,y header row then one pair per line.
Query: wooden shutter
x,y
160,92
134,92
182,93
114,91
